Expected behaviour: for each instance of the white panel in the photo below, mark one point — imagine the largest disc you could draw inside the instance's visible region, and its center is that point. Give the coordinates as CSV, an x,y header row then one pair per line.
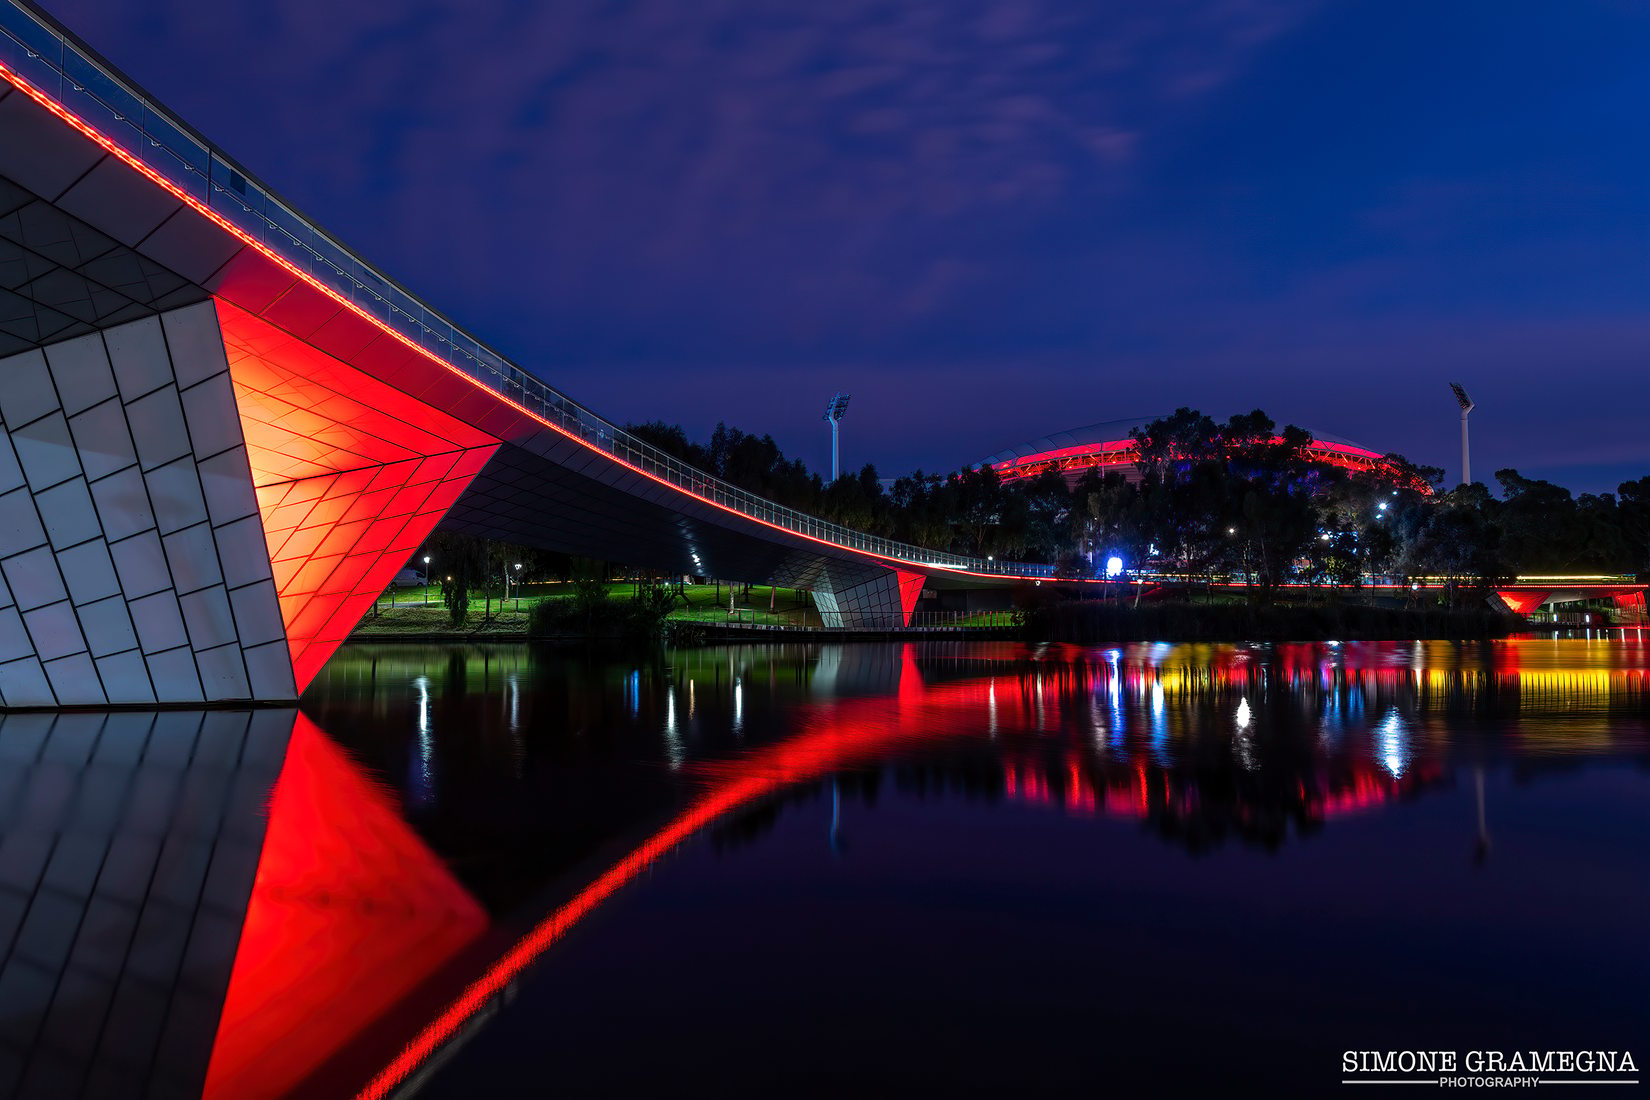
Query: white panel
x,y
54,630
174,676
74,680
193,557
23,684
227,479
33,579
122,504
214,422
26,391
175,492
257,613
223,674
11,474
46,451
138,354
89,572
196,343
208,617
68,514
107,626
141,564
244,552
81,369
19,524
14,641
270,667
126,678
105,444
157,428
135,519
158,621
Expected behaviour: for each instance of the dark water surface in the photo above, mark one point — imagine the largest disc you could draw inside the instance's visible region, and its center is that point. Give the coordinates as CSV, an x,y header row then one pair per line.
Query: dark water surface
x,y
950,868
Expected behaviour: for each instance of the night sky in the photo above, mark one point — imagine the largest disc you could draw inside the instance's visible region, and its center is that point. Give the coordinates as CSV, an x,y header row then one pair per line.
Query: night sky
x,y
988,220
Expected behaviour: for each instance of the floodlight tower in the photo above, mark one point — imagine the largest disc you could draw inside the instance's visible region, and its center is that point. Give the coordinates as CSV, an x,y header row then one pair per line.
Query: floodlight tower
x,y
1467,406
833,415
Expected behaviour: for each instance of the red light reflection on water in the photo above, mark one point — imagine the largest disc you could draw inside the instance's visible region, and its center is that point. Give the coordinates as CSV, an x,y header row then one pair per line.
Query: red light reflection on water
x,y
834,737
349,912
1035,697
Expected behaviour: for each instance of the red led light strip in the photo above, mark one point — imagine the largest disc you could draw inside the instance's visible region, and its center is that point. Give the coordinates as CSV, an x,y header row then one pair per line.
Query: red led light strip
x,y
107,144
1125,452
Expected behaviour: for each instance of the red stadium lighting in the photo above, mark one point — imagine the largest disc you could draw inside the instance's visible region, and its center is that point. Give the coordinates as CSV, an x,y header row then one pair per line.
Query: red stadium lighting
x,y
1072,456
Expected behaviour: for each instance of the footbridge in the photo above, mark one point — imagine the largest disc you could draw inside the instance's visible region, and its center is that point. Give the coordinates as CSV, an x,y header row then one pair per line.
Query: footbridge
x,y
222,433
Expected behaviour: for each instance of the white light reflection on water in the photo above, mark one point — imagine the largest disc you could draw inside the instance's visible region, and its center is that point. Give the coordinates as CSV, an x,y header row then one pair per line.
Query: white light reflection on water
x,y
1114,689
1392,744
422,790
518,747
1242,739
1160,726
675,754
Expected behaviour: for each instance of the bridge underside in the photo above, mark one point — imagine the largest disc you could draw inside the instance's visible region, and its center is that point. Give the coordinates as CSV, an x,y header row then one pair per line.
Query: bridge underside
x,y
211,466
1627,600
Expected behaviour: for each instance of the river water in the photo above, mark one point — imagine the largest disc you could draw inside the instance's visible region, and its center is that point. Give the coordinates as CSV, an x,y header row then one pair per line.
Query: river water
x,y
959,868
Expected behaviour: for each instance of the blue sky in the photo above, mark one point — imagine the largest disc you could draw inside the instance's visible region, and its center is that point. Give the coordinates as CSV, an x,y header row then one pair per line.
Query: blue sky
x,y
988,219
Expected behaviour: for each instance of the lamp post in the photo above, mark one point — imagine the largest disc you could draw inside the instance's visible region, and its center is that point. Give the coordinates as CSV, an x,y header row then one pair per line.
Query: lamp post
x,y
1467,405
426,580
833,415
518,586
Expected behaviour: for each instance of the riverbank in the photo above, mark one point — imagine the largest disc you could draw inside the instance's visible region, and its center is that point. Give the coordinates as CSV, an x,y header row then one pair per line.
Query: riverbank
x,y
417,615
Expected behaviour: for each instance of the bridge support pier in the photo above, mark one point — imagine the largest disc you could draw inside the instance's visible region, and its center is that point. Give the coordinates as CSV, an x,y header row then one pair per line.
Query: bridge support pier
x,y
196,507
877,599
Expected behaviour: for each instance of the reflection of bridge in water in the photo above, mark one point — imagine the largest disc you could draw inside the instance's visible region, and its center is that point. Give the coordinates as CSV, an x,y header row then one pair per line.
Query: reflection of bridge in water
x,y
144,887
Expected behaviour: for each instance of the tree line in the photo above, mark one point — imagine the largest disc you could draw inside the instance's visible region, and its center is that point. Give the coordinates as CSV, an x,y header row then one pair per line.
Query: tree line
x,y
1235,497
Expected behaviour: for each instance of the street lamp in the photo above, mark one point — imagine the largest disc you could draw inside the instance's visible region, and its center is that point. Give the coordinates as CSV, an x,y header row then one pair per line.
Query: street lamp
x,y
426,580
518,586
833,415
1467,405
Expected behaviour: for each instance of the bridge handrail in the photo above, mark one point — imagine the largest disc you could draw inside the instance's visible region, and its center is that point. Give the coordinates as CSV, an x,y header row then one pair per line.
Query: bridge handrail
x,y
41,51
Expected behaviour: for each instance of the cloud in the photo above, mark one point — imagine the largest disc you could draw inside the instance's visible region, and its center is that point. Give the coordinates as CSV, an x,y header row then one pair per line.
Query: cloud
x,y
606,152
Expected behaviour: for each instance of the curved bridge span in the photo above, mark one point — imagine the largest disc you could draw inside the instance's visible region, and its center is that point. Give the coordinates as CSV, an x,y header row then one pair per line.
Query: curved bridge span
x,y
222,433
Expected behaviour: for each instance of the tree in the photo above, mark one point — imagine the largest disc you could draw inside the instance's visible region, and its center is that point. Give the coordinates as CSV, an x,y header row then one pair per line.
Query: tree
x,y
460,563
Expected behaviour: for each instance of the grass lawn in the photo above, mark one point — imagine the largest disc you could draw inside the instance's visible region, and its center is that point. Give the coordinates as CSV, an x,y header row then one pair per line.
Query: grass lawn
x,y
413,611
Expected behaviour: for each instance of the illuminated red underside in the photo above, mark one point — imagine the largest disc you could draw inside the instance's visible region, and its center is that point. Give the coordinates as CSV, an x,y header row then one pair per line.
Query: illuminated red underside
x,y
1522,601
910,590
352,475
349,912
1124,454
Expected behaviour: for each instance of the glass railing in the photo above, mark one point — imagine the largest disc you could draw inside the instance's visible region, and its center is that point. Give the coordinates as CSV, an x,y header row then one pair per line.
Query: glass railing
x,y
48,57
